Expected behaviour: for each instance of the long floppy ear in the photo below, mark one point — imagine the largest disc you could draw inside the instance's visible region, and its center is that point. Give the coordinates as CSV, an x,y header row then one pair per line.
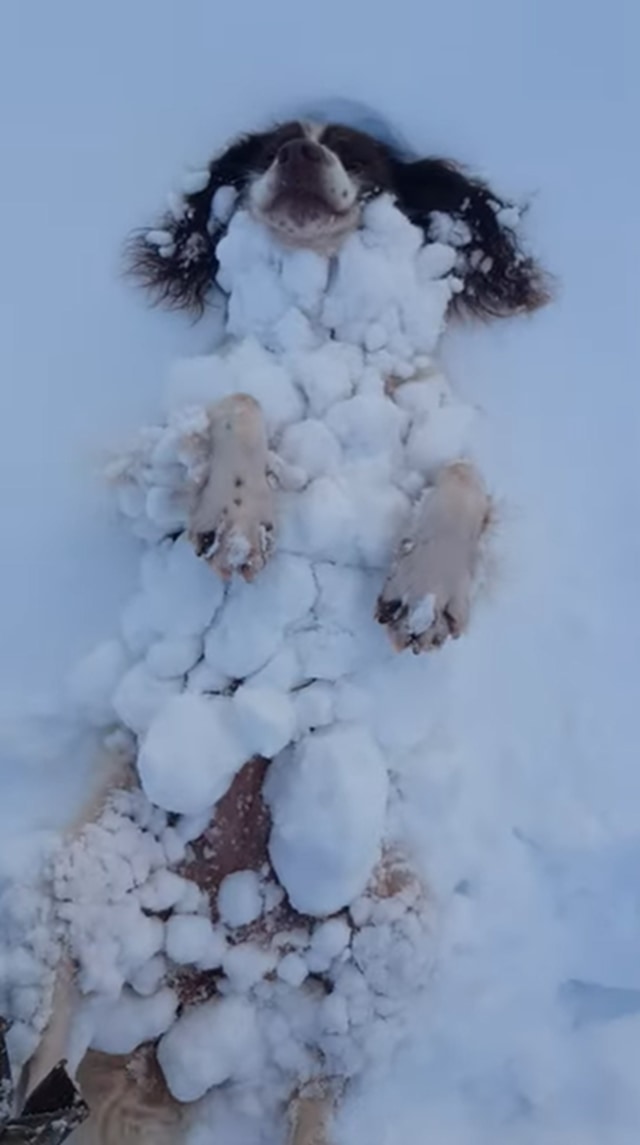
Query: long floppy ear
x,y
499,278
175,260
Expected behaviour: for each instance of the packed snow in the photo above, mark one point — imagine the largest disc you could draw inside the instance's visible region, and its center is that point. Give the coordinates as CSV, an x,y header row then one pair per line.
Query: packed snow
x,y
210,1044
240,898
521,797
328,800
192,939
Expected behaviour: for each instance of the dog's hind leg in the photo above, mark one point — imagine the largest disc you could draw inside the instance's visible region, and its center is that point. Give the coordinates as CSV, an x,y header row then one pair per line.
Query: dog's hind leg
x,y
310,1113
129,1101
427,595
113,771
232,523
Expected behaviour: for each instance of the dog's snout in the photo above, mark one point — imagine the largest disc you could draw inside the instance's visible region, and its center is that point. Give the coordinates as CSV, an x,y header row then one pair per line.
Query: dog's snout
x,y
300,152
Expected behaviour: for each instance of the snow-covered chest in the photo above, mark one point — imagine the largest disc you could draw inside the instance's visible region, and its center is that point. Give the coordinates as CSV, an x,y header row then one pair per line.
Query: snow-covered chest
x,y
355,432
385,293
337,352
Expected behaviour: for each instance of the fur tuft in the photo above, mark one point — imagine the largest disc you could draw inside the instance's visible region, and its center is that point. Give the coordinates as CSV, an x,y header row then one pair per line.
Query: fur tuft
x,y
168,279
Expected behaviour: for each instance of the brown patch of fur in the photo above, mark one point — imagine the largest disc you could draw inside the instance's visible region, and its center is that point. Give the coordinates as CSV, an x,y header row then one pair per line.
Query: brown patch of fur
x,y
310,1113
129,1101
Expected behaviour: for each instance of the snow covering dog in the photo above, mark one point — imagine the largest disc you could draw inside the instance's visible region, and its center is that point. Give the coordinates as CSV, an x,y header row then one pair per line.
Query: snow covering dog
x,y
308,188
308,184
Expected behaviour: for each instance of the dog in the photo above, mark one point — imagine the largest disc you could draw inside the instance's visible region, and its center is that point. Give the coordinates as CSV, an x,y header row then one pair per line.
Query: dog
x,y
308,184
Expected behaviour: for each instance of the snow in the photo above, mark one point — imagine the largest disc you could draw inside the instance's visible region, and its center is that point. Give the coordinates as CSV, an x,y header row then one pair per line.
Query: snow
x,y
29,948
174,657
328,798
162,891
191,753
149,977
223,203
245,965
181,598
266,718
292,969
286,593
329,940
523,805
240,898
91,684
121,1026
104,882
208,1045
139,696
315,706
192,939
193,181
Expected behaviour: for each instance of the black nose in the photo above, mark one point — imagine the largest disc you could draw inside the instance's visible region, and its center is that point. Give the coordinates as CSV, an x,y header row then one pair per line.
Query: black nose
x,y
299,151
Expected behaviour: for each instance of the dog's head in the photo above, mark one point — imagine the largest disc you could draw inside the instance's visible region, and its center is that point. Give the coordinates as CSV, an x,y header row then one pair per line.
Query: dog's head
x,y
312,181
307,183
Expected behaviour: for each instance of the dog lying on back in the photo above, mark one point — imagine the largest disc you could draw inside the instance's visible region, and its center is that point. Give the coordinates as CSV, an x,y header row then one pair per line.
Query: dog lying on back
x,y
308,185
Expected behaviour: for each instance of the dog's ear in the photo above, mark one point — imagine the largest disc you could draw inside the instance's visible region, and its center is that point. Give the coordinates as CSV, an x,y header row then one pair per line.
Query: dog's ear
x,y
175,260
499,278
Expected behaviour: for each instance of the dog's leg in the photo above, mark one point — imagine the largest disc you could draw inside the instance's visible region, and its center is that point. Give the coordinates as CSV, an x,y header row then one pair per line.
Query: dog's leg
x,y
232,522
310,1113
129,1101
54,1045
114,771
427,594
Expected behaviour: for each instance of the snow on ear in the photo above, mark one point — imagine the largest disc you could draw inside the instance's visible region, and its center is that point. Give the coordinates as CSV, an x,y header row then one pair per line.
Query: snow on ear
x,y
175,259
499,277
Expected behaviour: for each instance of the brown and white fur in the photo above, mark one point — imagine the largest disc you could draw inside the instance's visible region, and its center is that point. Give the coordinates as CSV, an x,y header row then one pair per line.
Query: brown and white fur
x,y
307,184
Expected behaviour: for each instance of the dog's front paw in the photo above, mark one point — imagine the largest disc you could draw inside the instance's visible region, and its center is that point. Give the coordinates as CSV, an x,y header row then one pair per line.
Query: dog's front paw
x,y
232,524
427,595
234,542
421,622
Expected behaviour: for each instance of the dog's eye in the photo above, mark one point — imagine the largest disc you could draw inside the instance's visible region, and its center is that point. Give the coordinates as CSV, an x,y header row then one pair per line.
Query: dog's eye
x,y
354,151
350,160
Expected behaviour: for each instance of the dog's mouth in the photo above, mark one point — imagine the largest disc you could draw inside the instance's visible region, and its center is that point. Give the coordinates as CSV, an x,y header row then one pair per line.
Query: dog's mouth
x,y
306,197
303,203
304,217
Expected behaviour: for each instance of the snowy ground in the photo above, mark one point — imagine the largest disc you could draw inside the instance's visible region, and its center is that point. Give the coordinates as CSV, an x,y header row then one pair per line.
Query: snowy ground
x,y
530,1033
